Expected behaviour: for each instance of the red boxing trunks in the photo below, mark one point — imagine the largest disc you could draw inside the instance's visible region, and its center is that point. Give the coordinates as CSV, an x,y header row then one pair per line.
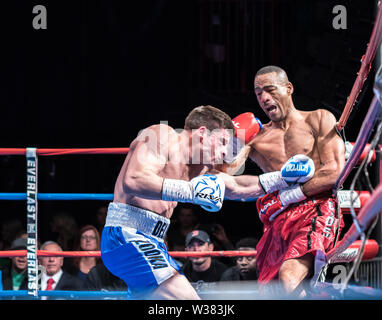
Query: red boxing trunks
x,y
305,227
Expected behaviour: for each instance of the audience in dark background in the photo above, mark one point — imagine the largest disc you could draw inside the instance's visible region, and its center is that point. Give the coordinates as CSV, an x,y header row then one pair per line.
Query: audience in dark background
x,y
54,277
188,232
14,277
183,221
100,278
88,239
100,218
64,226
206,269
245,268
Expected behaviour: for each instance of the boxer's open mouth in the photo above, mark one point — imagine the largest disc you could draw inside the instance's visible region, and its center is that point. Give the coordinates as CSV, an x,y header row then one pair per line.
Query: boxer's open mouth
x,y
271,108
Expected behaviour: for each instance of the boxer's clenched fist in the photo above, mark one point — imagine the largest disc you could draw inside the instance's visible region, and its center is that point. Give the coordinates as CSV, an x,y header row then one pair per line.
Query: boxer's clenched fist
x,y
206,190
272,204
297,169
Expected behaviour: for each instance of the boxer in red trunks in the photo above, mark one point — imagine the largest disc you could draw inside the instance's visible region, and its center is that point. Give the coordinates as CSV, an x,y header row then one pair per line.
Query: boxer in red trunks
x,y
293,234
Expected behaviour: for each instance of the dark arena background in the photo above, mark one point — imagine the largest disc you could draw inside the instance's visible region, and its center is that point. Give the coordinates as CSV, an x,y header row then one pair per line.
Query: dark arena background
x,y
104,70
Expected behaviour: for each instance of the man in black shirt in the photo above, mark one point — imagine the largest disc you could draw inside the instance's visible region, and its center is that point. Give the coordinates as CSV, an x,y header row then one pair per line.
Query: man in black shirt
x,y
245,268
204,269
101,279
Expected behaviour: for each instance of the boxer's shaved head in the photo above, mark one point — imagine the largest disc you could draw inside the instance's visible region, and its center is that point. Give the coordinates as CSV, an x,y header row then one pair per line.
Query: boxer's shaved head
x,y
281,74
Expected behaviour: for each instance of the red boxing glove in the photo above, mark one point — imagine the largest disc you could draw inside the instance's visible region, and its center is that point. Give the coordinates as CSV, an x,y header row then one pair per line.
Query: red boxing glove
x,y
269,207
246,126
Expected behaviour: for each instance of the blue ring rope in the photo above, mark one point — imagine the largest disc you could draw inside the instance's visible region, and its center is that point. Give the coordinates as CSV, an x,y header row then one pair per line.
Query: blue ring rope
x,y
353,292
74,196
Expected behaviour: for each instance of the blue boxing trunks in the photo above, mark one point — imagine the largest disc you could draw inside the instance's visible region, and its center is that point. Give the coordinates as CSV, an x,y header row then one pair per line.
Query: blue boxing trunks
x,y
132,247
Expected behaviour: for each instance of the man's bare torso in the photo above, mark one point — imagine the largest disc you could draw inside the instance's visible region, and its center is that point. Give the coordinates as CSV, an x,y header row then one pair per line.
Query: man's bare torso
x,y
170,148
273,146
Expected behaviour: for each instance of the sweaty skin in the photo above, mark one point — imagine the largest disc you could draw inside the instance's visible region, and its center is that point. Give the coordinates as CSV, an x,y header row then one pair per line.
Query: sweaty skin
x,y
160,152
290,132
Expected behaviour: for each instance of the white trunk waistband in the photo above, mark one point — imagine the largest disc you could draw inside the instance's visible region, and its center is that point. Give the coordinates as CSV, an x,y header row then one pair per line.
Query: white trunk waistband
x,y
147,222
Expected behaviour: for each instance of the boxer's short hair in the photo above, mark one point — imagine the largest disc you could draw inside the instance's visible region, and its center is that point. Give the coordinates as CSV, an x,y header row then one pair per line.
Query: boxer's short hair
x,y
269,69
208,116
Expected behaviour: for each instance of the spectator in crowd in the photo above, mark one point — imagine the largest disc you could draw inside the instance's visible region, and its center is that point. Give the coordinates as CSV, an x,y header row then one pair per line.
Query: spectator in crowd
x,y
99,278
100,218
220,240
10,230
179,261
53,277
65,229
245,268
218,236
88,240
15,276
206,269
183,222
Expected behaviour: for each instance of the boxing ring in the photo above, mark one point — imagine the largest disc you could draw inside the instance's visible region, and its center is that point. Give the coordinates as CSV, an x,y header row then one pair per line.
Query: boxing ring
x,y
347,250
363,206
368,205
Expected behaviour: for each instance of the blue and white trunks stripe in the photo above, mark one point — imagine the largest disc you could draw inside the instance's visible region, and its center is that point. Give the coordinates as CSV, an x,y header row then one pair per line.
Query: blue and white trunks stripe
x,y
132,247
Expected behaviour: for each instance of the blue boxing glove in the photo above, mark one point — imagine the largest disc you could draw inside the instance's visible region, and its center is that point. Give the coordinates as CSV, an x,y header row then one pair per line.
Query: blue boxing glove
x,y
206,190
298,169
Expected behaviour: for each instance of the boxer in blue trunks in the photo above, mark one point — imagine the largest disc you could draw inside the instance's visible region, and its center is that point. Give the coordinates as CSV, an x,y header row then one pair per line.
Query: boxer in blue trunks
x,y
164,167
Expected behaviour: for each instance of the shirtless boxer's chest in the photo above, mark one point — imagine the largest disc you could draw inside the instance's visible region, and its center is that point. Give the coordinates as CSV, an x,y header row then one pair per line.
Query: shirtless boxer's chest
x,y
175,168
274,146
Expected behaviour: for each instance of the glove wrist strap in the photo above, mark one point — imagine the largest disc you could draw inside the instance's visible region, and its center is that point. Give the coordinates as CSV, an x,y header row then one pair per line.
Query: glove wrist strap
x,y
292,195
177,190
272,181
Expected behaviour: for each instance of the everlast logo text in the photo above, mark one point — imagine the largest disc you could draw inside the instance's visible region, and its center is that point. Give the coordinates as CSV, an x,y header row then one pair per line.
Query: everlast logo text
x,y
209,196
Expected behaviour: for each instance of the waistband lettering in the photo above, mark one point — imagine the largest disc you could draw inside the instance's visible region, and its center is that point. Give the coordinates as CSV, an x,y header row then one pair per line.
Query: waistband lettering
x,y
160,229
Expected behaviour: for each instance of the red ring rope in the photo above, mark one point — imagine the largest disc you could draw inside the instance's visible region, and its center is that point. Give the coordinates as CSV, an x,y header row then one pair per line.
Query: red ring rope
x,y
55,152
371,250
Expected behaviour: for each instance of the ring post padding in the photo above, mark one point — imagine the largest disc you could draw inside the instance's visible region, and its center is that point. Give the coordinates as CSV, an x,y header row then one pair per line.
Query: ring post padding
x,y
32,177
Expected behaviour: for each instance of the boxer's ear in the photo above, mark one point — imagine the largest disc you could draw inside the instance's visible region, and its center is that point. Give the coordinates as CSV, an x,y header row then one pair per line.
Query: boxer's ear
x,y
202,131
290,88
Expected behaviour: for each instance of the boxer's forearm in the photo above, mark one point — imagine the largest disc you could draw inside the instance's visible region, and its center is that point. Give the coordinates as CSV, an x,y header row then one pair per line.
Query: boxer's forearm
x,y
244,186
323,181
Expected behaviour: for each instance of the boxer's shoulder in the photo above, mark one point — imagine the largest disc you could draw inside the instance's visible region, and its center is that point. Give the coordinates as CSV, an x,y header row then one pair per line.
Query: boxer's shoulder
x,y
159,133
319,119
266,128
317,115
158,128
